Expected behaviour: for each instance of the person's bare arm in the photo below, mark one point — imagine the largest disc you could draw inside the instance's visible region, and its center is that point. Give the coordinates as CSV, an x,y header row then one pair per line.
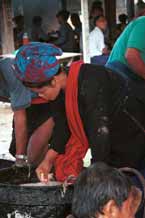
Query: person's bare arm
x,y
20,131
46,165
133,57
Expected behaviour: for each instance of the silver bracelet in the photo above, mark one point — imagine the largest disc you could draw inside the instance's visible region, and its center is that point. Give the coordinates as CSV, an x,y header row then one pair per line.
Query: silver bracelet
x,y
21,156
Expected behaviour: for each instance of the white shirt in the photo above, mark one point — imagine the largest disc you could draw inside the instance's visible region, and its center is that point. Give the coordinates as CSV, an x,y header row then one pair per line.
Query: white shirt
x,y
96,42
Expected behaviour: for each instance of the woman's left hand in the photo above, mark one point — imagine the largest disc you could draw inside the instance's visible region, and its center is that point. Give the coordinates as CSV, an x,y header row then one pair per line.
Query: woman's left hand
x,y
43,170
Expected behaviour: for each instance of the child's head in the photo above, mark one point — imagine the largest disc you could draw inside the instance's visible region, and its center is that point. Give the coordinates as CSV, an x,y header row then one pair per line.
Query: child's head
x,y
103,191
101,22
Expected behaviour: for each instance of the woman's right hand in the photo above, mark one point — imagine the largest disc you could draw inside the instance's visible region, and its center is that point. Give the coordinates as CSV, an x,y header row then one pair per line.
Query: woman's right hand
x,y
44,169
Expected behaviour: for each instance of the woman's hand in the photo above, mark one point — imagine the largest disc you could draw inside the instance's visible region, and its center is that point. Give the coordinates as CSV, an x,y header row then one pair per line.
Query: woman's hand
x,y
46,165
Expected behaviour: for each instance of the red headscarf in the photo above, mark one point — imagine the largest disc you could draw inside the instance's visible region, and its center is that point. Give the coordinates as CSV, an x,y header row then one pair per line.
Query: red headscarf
x,y
71,163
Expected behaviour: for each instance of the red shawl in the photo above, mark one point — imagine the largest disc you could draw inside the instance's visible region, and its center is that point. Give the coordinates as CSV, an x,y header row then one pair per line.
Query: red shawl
x,y
71,163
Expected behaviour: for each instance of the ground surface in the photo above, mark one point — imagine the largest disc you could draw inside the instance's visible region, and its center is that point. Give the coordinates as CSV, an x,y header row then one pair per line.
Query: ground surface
x,y
5,128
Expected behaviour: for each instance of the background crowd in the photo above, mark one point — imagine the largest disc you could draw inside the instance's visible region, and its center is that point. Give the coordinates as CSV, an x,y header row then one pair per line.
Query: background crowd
x,y
69,34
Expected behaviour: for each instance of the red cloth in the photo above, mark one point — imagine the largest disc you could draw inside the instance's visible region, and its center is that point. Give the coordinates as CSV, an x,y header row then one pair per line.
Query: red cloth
x,y
38,100
71,163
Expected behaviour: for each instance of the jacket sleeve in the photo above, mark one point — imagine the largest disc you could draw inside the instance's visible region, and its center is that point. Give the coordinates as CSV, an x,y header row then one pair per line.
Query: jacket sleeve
x,y
61,133
94,104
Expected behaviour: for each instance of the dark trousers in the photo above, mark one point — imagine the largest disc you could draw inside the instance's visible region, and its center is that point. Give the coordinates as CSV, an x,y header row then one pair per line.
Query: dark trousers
x,y
99,60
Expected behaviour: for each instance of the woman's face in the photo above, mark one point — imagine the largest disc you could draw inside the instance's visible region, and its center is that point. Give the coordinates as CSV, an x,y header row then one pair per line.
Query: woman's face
x,y
49,92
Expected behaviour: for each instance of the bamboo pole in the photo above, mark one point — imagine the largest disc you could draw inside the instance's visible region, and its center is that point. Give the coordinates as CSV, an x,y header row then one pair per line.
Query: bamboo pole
x,y
6,28
85,30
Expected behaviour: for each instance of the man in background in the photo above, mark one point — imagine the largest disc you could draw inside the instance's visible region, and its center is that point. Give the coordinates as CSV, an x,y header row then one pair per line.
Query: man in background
x,y
98,50
66,39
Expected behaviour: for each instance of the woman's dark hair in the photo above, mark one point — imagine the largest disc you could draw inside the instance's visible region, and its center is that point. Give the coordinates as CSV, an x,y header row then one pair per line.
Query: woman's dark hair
x,y
61,69
64,14
97,185
45,83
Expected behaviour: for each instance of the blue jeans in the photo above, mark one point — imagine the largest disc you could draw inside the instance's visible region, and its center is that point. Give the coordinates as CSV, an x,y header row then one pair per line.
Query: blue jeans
x,y
99,60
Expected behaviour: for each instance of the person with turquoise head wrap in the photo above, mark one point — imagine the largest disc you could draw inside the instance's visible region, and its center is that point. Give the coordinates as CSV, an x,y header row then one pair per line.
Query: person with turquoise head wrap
x,y
33,115
37,62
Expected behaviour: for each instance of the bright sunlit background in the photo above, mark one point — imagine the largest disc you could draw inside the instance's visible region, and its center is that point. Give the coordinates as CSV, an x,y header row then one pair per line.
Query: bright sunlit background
x,y
137,1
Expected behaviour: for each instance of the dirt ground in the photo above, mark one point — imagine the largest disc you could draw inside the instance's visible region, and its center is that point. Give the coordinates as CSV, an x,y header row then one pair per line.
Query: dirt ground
x,y
5,127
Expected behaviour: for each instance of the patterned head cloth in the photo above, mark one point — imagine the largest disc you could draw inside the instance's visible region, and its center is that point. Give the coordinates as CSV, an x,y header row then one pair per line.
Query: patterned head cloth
x,y
36,62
